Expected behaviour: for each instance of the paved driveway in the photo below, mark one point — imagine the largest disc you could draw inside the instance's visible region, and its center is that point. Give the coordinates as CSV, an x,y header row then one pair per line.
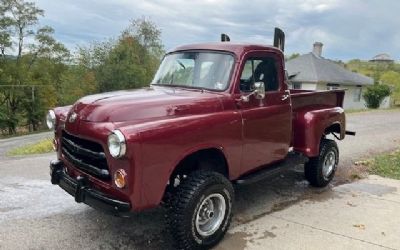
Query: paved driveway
x,y
36,215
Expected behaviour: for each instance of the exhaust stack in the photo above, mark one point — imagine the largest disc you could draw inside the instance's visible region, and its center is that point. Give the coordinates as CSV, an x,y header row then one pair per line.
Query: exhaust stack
x,y
225,38
279,39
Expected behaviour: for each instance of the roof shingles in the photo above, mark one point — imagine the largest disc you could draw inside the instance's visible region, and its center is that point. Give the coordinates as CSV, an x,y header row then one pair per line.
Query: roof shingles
x,y
312,68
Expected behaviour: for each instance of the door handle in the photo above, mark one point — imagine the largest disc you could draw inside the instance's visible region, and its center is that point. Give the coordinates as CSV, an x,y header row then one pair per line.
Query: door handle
x,y
286,95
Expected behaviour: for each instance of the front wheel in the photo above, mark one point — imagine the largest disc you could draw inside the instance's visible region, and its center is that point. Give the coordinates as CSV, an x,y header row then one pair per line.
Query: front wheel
x,y
320,170
200,210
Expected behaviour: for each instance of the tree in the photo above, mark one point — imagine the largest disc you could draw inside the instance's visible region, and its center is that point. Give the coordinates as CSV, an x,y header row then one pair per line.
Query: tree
x,y
129,61
392,79
375,94
147,34
5,37
292,56
31,66
21,16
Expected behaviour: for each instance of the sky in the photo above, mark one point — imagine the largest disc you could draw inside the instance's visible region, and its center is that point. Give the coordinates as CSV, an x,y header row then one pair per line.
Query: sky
x,y
348,29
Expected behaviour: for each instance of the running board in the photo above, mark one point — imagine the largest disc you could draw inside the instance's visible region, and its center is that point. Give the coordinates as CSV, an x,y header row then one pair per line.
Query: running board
x,y
291,160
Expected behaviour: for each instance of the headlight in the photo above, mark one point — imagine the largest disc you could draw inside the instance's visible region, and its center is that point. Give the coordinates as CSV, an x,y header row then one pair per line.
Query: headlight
x,y
116,144
51,119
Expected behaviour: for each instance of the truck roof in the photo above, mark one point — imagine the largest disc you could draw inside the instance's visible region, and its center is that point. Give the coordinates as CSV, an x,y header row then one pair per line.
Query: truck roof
x,y
236,48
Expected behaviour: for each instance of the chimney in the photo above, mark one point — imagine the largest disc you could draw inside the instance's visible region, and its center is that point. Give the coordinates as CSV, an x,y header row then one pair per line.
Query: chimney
x,y
317,49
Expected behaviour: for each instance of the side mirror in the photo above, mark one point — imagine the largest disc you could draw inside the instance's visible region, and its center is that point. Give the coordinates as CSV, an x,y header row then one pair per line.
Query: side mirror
x,y
259,90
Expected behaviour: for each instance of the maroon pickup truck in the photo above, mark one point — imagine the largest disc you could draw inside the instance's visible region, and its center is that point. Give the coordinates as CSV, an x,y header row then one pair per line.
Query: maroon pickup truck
x,y
215,115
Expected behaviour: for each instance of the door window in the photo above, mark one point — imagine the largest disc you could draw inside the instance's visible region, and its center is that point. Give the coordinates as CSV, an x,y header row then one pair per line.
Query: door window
x,y
259,70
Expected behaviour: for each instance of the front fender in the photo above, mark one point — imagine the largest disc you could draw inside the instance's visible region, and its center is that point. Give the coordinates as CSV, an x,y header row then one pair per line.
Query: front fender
x,y
164,143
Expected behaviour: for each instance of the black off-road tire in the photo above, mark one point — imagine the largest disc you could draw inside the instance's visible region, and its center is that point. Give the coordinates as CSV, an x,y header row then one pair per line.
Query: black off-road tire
x,y
313,169
184,203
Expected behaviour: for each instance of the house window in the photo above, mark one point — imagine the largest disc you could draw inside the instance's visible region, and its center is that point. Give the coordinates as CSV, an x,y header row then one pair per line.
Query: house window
x,y
357,94
332,86
296,85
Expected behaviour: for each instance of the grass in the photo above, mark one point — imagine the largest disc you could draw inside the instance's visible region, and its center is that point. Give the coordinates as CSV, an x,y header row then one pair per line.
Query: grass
x,y
351,111
22,133
41,147
386,165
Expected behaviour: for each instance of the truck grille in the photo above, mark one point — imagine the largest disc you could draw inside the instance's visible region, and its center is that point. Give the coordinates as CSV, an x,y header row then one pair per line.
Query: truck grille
x,y
86,155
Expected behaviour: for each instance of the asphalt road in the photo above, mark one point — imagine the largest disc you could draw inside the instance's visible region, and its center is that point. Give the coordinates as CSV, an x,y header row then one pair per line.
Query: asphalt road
x,y
36,215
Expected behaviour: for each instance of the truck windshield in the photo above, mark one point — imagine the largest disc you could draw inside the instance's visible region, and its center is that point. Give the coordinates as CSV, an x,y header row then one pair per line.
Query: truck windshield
x,y
208,70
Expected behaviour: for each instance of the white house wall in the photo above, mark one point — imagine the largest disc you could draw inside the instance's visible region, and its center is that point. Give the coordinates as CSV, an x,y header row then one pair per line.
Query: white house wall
x,y
385,103
349,102
309,86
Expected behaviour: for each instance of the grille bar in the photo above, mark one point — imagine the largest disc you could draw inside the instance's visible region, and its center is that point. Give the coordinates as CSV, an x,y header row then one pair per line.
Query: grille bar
x,y
83,151
102,173
86,155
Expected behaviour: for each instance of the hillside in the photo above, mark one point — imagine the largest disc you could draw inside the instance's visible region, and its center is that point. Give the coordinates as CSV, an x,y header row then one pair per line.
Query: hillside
x,y
382,73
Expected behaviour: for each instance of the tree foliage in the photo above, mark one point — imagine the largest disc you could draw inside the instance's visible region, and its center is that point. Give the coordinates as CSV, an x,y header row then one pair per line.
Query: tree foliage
x,y
27,79
129,61
292,56
392,79
37,72
382,73
375,94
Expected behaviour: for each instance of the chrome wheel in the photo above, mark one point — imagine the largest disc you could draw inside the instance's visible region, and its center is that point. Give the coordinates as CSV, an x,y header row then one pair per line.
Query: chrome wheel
x,y
328,164
210,214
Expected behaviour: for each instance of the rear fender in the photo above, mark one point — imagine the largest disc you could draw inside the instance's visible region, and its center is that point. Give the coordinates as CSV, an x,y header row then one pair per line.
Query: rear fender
x,y
312,125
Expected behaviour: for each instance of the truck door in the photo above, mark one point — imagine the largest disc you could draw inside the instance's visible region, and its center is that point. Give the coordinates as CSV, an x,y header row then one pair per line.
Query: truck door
x,y
267,123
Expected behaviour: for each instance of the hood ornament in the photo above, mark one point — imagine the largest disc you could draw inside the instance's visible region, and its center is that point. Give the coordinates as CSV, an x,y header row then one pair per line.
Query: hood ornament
x,y
72,117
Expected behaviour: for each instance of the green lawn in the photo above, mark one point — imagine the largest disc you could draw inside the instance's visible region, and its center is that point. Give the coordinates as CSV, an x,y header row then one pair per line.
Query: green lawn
x,y
386,165
352,111
44,146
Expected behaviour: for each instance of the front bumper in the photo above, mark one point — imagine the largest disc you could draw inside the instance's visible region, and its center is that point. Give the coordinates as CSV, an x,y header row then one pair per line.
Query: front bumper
x,y
80,189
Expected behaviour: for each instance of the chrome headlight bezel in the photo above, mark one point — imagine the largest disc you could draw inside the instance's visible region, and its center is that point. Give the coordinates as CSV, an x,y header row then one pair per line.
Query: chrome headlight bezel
x,y
116,144
51,119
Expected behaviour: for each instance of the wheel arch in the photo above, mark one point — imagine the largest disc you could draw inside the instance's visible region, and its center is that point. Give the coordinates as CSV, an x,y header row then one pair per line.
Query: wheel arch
x,y
335,127
193,159
199,159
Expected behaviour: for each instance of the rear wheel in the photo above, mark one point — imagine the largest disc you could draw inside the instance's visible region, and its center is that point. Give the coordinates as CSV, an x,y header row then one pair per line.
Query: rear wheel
x,y
320,170
200,209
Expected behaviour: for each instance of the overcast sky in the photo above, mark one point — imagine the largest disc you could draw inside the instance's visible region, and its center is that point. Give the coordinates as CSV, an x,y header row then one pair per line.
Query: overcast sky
x,y
348,29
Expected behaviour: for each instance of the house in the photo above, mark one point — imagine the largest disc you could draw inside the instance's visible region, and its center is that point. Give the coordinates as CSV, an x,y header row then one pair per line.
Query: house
x,y
311,71
382,58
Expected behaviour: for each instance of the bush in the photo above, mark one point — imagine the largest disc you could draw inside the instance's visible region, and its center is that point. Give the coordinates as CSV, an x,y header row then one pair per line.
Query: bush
x,y
374,95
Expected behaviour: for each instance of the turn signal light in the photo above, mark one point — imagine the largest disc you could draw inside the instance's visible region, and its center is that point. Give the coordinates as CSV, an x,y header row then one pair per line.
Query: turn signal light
x,y
120,178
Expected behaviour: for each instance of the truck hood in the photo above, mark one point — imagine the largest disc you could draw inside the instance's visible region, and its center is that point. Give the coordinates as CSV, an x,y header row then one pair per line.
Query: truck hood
x,y
147,103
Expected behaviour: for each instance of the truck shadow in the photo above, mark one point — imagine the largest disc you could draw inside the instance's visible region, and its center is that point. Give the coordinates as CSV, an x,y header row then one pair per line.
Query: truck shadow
x,y
147,230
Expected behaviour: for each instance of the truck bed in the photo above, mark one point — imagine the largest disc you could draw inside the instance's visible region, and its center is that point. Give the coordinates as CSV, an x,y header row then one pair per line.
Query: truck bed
x,y
319,99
